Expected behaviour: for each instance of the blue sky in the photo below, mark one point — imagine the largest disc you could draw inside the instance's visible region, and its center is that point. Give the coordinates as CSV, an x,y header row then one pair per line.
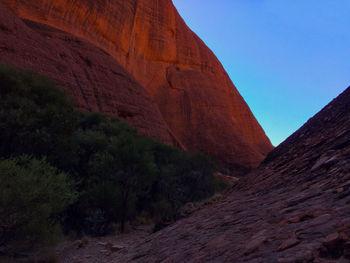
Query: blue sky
x,y
288,58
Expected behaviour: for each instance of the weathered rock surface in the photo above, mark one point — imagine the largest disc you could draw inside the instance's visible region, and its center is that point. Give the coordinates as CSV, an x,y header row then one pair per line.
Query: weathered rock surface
x,y
194,94
94,79
294,208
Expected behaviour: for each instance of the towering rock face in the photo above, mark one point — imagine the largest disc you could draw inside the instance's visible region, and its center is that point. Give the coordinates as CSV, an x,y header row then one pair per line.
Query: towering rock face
x,y
194,94
294,208
91,77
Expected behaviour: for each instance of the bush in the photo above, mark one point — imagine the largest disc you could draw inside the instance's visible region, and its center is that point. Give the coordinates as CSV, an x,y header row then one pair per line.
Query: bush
x,y
32,196
36,118
118,168
182,177
119,174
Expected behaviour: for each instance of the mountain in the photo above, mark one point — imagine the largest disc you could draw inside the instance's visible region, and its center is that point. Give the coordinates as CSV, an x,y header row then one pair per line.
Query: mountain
x,y
294,208
194,103
91,77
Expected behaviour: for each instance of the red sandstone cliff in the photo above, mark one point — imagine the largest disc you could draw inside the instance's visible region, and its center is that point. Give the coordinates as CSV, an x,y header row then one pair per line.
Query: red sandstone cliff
x,y
91,77
196,98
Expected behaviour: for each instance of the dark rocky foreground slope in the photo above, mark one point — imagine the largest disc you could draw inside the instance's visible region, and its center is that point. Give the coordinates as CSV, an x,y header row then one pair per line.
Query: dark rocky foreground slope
x,y
294,208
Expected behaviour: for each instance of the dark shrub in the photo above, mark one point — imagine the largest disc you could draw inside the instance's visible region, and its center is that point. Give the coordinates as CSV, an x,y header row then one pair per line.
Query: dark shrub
x,y
118,168
32,196
119,174
36,117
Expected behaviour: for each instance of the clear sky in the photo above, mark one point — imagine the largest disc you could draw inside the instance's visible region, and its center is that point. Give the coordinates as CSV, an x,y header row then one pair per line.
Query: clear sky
x,y
288,58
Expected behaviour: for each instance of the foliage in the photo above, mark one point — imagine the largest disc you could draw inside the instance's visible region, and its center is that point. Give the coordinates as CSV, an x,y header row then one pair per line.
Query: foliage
x,y
181,177
119,174
36,117
32,195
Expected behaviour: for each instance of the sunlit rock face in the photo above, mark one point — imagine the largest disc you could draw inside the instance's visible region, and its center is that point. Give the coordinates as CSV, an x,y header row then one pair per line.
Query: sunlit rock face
x,y
196,98
94,79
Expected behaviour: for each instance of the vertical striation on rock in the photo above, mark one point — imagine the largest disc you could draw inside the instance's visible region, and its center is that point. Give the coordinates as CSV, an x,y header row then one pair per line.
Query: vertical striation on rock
x,y
194,94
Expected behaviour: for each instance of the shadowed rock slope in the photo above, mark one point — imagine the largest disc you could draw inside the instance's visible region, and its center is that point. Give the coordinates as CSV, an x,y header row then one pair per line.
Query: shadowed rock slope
x,y
89,75
294,208
195,96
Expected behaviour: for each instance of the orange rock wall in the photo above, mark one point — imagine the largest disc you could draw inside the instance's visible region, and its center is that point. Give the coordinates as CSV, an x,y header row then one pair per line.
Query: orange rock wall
x,y
91,77
196,98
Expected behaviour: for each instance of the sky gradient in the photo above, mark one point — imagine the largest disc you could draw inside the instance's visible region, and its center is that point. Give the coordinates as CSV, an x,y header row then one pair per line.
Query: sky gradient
x,y
287,58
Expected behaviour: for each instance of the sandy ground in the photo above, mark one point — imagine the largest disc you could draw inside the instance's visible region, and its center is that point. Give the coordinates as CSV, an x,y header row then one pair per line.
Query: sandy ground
x,y
101,249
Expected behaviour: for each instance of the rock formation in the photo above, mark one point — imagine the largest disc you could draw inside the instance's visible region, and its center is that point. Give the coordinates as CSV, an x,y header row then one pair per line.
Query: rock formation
x,y
198,103
294,208
92,78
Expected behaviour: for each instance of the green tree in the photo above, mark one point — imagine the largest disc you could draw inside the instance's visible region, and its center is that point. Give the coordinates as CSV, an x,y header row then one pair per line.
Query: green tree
x,y
36,117
127,165
32,196
118,173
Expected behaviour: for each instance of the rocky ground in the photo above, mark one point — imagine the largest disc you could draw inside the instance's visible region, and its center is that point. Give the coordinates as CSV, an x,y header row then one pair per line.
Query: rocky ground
x,y
294,208
101,249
